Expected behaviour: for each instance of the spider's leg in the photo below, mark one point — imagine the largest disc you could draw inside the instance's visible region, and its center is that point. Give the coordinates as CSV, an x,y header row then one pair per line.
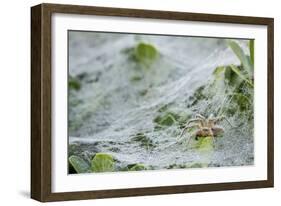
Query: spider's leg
x,y
218,119
200,116
182,132
193,120
210,123
204,123
187,127
191,136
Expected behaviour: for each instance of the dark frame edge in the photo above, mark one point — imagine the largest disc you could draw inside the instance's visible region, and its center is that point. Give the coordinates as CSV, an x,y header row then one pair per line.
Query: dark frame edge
x,y
36,138
166,190
156,14
270,101
40,103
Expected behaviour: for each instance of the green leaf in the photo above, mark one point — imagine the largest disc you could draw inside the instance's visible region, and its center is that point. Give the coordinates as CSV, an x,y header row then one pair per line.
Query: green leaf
x,y
205,144
252,50
143,140
241,56
73,83
135,78
196,165
242,101
166,119
145,53
219,71
80,165
138,167
242,76
102,162
242,96
205,149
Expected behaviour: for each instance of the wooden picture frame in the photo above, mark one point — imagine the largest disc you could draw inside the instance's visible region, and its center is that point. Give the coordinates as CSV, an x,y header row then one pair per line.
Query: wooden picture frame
x,y
41,97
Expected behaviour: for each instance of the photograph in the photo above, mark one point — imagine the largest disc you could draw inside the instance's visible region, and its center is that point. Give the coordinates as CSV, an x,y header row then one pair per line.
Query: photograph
x,y
134,102
140,102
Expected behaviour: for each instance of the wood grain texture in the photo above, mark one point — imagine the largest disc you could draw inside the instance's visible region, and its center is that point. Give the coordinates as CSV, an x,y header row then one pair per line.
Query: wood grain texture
x,y
36,58
41,101
156,14
270,102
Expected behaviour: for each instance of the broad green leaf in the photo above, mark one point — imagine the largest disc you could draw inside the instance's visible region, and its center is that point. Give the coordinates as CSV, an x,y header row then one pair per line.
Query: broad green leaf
x,y
102,162
205,149
205,144
252,50
242,76
168,119
138,167
80,165
145,53
241,56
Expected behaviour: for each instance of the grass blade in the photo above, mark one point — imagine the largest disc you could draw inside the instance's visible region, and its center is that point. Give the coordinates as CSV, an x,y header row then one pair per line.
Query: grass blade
x,y
242,76
219,71
241,56
252,50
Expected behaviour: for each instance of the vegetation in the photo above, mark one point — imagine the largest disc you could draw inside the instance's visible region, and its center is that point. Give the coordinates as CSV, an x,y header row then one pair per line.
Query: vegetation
x,y
138,167
145,53
79,165
101,162
167,117
235,75
143,140
238,81
230,93
74,83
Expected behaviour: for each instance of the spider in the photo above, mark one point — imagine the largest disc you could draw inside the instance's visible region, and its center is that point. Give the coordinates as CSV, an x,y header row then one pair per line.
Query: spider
x,y
206,127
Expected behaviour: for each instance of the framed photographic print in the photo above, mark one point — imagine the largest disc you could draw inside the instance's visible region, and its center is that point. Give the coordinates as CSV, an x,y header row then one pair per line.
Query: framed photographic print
x,y
130,102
